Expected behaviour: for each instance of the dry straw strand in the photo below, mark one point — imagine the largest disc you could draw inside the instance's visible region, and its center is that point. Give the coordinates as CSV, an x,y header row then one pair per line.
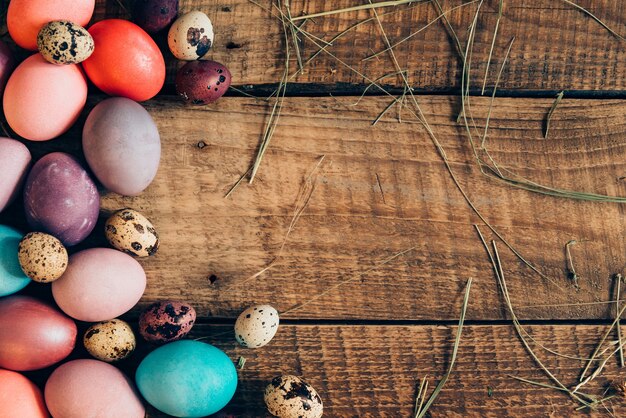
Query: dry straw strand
x,y
493,44
558,99
357,8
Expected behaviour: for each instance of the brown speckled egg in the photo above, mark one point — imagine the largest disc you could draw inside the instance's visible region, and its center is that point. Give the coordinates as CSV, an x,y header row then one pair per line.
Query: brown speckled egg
x,y
129,231
64,42
110,340
291,397
256,326
200,82
191,36
42,257
166,321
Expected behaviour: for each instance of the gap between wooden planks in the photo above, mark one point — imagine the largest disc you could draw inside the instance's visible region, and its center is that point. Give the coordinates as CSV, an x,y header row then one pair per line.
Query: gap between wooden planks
x,y
348,227
557,47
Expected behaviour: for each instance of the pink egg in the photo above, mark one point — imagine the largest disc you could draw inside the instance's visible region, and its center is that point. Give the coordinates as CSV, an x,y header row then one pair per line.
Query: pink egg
x,y
19,397
91,388
33,335
99,284
14,160
43,100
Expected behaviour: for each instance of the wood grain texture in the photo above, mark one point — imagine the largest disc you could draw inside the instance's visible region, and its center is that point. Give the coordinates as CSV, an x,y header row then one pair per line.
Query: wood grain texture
x,y
211,245
557,47
372,371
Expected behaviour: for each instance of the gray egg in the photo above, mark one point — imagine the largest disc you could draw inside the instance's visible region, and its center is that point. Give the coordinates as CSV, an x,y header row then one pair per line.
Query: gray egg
x,y
64,42
291,397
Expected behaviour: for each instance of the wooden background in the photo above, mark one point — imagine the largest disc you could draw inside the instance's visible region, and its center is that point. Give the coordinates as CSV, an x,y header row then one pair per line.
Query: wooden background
x,y
383,189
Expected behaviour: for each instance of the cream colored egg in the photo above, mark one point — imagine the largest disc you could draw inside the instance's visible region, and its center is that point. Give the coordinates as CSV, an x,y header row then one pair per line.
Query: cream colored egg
x,y
42,257
191,36
291,397
256,326
64,42
110,340
129,231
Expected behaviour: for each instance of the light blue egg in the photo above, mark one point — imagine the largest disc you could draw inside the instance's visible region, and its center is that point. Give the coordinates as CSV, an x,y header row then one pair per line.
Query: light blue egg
x,y
12,278
187,379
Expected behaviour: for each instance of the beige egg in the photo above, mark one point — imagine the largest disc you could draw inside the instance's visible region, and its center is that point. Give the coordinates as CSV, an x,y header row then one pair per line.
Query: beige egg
x,y
129,231
256,326
64,42
42,257
291,397
191,36
110,340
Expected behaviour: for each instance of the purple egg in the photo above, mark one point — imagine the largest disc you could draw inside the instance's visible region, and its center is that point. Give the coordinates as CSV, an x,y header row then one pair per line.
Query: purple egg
x,y
122,145
61,199
155,15
7,64
201,82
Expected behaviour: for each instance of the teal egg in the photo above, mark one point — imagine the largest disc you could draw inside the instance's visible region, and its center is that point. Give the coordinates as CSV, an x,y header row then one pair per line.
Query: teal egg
x,y
12,278
187,379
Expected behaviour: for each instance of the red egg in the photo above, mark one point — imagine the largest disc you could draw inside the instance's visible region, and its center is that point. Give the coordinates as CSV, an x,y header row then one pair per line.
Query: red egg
x,y
126,62
33,335
26,17
200,82
19,397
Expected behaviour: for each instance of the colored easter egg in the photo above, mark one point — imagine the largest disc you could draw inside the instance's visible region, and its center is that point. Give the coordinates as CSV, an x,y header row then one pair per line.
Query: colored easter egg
x,y
19,397
15,161
12,278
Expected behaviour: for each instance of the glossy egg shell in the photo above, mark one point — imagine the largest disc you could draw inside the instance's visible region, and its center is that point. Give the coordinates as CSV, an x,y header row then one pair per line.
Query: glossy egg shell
x,y
166,321
26,17
289,396
42,100
126,62
187,379
12,278
200,82
33,335
99,284
61,199
91,388
19,397
15,161
122,145
155,15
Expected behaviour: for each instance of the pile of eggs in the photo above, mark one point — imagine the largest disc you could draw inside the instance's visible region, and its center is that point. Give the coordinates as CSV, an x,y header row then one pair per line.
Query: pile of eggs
x,y
42,98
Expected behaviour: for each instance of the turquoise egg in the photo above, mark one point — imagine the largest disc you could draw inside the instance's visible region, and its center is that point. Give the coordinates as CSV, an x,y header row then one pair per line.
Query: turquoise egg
x,y
187,379
12,278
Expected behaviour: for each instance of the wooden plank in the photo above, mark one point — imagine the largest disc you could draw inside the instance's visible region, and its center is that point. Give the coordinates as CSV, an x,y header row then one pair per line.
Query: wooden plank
x,y
211,245
372,371
556,46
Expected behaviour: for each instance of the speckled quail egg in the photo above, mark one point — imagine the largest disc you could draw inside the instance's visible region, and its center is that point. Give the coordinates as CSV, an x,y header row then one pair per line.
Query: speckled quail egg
x,y
129,231
256,326
291,397
166,321
191,36
110,340
64,42
42,257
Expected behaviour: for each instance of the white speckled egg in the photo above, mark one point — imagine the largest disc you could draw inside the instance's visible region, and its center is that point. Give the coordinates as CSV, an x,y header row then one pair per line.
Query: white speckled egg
x,y
256,326
291,397
42,257
129,231
64,42
110,340
191,36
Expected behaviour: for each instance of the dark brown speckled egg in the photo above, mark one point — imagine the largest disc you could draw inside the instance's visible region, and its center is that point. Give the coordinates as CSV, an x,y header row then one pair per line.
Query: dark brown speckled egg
x,y
166,321
291,397
202,82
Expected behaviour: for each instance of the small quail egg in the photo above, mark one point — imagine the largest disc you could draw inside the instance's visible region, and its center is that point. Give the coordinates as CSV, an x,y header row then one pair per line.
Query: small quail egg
x,y
191,36
166,321
129,231
64,42
256,326
291,397
110,340
42,257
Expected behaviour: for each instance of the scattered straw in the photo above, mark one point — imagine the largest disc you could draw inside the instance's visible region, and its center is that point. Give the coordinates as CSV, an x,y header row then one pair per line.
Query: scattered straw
x,y
493,44
421,412
241,362
618,280
570,263
558,99
357,8
591,15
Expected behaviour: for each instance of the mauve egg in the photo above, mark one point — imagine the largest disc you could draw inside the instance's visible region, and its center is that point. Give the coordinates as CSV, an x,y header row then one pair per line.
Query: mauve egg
x,y
99,284
166,321
14,160
155,15
43,100
61,199
91,388
7,63
19,397
200,82
122,145
33,335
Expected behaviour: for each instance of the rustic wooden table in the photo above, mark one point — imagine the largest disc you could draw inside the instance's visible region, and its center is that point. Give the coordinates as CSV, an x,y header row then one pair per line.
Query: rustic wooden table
x,y
365,333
